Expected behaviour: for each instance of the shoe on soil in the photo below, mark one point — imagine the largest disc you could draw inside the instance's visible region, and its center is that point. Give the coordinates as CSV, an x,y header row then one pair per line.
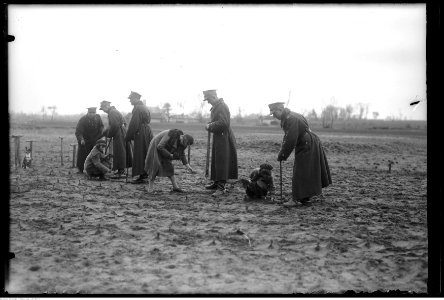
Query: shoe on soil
x,y
137,181
218,193
178,190
102,178
305,201
116,176
212,186
290,203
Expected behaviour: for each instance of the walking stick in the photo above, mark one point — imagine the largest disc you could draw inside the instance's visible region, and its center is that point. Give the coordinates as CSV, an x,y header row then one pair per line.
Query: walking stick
x,y
280,177
207,163
189,153
61,150
129,151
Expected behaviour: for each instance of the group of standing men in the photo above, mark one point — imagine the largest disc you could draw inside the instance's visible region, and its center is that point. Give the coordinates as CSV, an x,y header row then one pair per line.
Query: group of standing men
x,y
310,170
90,130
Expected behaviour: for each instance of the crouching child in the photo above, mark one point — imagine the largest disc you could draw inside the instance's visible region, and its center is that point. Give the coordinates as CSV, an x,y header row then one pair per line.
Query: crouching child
x,y
97,163
260,184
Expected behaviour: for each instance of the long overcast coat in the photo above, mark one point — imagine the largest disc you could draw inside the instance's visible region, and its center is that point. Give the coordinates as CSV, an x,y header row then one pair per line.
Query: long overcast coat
x,y
139,130
90,130
223,152
310,170
122,152
158,161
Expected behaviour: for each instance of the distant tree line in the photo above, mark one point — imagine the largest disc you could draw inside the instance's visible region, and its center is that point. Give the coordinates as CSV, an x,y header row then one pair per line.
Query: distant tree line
x,y
332,113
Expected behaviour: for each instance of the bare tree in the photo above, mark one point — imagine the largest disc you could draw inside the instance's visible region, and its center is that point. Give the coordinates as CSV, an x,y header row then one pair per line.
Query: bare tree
x,y
53,109
363,110
312,115
180,104
239,115
366,106
328,115
43,111
342,113
349,110
167,108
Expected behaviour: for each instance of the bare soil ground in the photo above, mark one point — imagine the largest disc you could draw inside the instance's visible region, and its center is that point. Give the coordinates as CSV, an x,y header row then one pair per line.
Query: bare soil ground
x,y
367,233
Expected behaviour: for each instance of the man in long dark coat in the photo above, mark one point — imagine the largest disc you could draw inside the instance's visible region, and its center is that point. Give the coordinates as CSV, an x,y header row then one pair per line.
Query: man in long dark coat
x,y
88,131
139,130
223,152
310,170
122,152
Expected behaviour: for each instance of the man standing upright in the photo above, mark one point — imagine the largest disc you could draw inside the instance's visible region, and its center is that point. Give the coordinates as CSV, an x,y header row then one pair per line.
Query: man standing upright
x,y
122,153
223,152
88,131
139,130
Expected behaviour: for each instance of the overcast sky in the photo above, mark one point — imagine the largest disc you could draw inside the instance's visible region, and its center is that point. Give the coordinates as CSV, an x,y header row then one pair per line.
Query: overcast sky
x,y
75,56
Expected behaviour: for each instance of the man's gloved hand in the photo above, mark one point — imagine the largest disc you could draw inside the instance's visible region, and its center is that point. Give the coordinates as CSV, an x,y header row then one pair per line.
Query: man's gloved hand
x,y
281,157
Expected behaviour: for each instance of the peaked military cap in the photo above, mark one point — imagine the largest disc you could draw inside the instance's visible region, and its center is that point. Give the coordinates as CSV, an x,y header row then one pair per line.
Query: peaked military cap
x,y
92,109
209,93
134,95
103,104
274,106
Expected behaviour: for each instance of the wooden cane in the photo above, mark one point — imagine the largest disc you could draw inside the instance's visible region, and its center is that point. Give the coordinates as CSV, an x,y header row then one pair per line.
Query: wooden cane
x,y
74,147
127,147
280,173
189,154
207,163
61,150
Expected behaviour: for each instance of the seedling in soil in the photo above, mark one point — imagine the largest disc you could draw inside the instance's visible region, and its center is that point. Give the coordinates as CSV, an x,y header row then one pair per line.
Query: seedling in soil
x,y
390,163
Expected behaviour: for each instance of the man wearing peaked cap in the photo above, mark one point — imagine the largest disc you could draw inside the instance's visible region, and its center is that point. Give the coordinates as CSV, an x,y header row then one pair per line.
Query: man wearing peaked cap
x,y
116,130
139,130
209,93
223,152
310,169
92,110
104,104
88,131
96,163
275,106
134,95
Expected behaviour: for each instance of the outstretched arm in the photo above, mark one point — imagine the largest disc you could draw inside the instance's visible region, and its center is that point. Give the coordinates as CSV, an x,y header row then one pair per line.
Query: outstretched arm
x,y
290,138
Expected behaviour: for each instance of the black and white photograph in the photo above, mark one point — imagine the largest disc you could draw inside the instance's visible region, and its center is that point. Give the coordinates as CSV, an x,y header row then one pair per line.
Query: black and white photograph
x,y
208,149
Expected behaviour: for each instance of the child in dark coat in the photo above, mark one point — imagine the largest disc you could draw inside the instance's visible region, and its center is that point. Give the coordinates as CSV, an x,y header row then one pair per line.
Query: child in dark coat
x,y
260,183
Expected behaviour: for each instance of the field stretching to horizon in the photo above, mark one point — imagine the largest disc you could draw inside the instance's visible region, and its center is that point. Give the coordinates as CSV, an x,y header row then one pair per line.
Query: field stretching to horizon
x,y
366,233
